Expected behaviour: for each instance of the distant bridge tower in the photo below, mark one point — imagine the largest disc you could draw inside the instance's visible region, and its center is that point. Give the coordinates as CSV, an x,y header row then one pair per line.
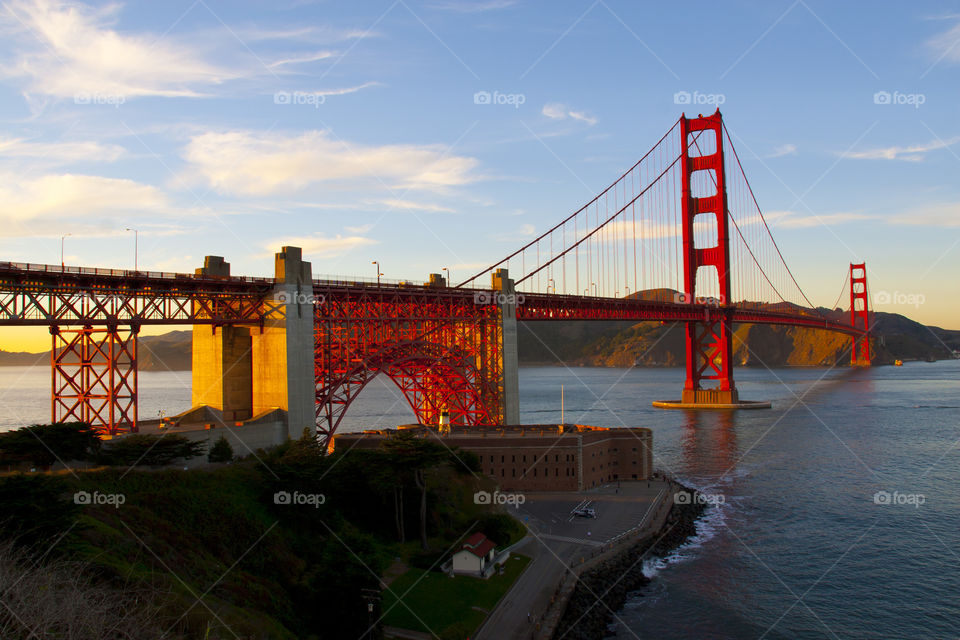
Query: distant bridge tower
x,y
859,315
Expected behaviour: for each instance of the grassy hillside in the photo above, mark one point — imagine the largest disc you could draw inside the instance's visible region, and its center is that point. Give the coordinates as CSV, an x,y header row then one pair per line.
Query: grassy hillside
x,y
217,555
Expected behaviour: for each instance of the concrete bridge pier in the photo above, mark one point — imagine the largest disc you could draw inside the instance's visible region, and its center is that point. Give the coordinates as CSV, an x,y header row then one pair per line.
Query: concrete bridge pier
x,y
246,371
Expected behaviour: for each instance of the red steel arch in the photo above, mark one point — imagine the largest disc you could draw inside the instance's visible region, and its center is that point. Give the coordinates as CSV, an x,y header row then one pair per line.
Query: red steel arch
x,y
432,377
441,346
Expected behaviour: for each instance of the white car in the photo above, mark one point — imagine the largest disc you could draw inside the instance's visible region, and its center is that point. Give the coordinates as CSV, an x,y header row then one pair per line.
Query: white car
x,y
586,512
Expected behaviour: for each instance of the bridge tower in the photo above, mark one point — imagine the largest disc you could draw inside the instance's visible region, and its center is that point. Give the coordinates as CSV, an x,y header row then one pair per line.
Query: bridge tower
x,y
709,342
859,315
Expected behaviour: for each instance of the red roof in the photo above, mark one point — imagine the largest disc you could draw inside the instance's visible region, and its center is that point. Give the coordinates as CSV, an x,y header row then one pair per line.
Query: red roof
x,y
474,540
482,550
478,544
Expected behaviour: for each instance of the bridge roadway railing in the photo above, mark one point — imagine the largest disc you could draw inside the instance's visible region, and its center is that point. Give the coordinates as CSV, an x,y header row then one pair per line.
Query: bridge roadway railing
x,y
564,307
42,294
47,295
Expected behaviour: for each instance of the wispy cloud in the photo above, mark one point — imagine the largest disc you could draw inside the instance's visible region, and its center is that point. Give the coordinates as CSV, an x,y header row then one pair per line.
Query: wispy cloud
x,y
558,111
944,214
394,203
303,59
311,34
65,49
913,153
91,205
261,164
359,230
783,150
74,51
345,90
794,220
524,231
465,6
946,45
60,153
319,245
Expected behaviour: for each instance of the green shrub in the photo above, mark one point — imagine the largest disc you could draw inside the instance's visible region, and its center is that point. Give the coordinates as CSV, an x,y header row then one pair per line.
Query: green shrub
x,y
44,444
501,528
150,450
221,451
37,509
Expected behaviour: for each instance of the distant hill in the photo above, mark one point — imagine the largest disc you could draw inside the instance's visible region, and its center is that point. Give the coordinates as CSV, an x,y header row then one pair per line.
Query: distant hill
x,y
626,343
167,352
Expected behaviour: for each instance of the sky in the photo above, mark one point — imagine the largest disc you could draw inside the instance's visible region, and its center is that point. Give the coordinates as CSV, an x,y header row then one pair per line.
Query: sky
x,y
360,131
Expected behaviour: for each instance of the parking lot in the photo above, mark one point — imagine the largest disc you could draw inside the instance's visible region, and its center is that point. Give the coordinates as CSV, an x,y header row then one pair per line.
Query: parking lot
x,y
618,509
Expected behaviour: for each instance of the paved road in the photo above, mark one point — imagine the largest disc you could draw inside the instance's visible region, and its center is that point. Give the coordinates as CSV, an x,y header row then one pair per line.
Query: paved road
x,y
558,540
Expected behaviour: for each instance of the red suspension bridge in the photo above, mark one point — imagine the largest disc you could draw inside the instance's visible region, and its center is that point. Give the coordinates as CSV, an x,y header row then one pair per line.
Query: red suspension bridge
x,y
678,237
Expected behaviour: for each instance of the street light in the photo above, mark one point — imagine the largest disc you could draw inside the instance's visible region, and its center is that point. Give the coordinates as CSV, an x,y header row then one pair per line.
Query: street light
x,y
551,285
594,285
136,247
449,278
378,271
62,266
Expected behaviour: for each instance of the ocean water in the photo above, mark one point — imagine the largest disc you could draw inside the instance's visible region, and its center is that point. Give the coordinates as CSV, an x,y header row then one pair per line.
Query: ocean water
x,y
798,543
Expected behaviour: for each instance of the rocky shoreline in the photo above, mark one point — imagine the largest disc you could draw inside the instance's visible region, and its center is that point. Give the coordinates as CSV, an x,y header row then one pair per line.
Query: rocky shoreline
x,y
586,617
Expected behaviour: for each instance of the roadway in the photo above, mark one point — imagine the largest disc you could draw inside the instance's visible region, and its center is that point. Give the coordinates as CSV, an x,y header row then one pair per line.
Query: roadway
x,y
559,540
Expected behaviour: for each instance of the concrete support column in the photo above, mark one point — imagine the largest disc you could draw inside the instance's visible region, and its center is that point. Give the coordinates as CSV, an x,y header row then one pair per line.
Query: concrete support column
x,y
507,302
283,358
221,359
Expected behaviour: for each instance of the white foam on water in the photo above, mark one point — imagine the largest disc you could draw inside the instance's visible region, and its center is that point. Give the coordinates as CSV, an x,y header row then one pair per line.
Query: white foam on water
x,y
707,526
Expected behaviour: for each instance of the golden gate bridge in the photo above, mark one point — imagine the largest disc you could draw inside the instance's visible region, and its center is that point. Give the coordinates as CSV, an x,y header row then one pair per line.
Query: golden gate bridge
x,y
678,237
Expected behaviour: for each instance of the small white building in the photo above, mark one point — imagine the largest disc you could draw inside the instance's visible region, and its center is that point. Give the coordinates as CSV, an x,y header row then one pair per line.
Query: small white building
x,y
475,557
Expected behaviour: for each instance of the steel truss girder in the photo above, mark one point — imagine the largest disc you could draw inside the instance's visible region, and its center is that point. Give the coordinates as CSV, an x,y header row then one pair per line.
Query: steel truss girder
x,y
438,346
94,377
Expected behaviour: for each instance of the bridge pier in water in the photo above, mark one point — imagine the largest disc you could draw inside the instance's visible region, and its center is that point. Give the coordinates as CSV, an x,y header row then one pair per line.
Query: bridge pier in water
x,y
244,371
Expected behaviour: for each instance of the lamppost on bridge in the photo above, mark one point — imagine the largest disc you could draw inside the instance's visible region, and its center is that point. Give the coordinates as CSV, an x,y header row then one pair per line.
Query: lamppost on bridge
x,y
551,285
594,285
136,248
62,264
449,277
378,271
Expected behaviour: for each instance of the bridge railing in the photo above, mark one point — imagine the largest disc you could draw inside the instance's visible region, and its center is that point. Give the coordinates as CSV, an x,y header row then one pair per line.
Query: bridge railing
x,y
55,269
338,280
